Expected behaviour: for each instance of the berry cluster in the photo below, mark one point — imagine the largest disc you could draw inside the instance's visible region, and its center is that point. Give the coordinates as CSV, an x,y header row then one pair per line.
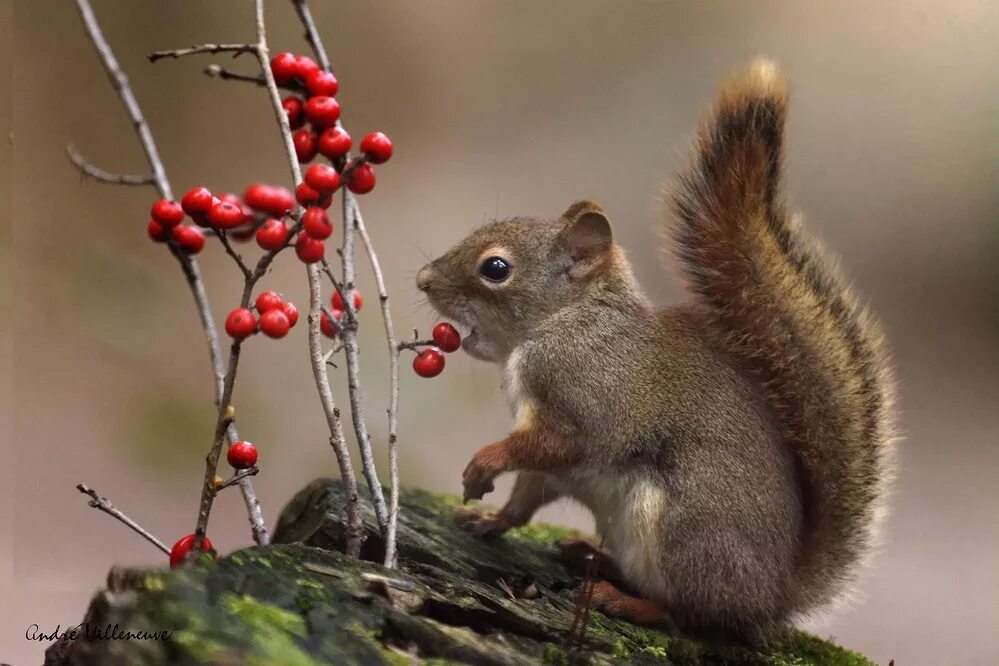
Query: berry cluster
x,y
323,136
430,361
276,317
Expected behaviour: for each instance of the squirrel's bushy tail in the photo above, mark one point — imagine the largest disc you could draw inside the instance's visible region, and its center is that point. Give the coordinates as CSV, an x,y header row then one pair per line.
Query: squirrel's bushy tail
x,y
781,309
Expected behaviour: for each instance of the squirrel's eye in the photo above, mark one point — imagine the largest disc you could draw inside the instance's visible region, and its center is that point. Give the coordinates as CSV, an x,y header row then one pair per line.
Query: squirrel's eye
x,y
495,269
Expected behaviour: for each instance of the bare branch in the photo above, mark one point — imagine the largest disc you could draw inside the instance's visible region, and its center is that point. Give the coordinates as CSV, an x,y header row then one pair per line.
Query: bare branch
x,y
311,34
102,176
235,49
188,264
355,528
353,221
414,344
107,507
238,258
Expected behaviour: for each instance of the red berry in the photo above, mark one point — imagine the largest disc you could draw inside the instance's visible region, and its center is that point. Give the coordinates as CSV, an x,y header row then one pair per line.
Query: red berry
x,y
168,213
323,178
240,324
197,201
337,301
306,144
429,362
361,179
322,110
242,455
284,67
331,328
276,201
157,232
282,201
305,67
376,147
274,323
322,83
183,546
190,239
291,312
306,195
447,337
334,142
294,110
316,223
309,249
272,235
257,196
268,300
229,197
226,215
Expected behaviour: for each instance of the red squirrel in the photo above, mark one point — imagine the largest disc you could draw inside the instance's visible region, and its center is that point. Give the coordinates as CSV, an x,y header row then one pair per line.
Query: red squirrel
x,y
735,450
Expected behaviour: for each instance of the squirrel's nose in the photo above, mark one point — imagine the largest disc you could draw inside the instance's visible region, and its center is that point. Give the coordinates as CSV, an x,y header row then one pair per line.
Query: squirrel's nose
x,y
425,277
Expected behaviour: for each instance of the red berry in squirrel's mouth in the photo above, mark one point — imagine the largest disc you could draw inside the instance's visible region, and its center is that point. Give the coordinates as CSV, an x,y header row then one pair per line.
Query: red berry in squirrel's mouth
x,y
274,323
336,300
268,300
309,249
226,215
284,67
190,239
157,232
322,83
306,144
272,235
294,110
242,455
334,143
322,110
316,223
168,213
240,324
184,546
331,328
323,178
361,179
291,312
447,337
429,362
376,147
197,201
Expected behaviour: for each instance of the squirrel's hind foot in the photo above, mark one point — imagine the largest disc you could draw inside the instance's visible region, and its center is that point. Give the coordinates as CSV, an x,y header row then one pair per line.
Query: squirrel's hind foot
x,y
613,602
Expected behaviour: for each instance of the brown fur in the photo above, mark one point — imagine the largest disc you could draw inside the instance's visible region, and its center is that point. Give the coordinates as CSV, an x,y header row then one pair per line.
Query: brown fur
x,y
734,450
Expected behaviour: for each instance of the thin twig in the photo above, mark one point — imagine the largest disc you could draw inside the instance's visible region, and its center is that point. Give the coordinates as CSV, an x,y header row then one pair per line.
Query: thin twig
x,y
355,528
188,264
235,49
107,507
237,477
102,176
312,34
414,344
393,408
238,258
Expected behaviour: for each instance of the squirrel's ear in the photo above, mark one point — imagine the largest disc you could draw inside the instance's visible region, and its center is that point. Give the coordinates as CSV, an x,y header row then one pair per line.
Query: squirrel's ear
x,y
587,238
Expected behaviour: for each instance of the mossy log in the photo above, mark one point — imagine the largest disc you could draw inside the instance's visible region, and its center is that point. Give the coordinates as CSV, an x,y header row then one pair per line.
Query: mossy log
x,y
455,599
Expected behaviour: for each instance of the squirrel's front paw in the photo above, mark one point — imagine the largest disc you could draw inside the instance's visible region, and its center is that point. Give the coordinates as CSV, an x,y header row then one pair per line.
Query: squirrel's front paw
x,y
486,465
481,522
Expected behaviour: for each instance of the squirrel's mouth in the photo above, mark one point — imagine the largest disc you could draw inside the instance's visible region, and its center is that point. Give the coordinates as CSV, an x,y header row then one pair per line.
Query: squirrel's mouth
x,y
470,339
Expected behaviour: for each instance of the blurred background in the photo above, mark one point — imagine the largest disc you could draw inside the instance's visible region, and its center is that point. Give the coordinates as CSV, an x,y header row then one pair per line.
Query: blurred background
x,y
496,109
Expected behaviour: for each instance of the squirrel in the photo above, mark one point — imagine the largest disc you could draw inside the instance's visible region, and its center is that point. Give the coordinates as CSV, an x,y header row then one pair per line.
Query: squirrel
x,y
735,450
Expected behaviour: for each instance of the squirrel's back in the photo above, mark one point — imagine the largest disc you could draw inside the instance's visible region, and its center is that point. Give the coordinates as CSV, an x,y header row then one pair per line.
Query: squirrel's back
x,y
779,307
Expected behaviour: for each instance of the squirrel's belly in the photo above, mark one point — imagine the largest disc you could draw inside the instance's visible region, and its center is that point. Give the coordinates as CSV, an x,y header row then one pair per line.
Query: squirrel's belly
x,y
630,516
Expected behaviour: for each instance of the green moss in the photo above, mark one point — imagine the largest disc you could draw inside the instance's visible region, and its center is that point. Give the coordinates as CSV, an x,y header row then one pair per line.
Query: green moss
x,y
273,631
801,649
620,650
154,582
555,655
372,638
541,533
